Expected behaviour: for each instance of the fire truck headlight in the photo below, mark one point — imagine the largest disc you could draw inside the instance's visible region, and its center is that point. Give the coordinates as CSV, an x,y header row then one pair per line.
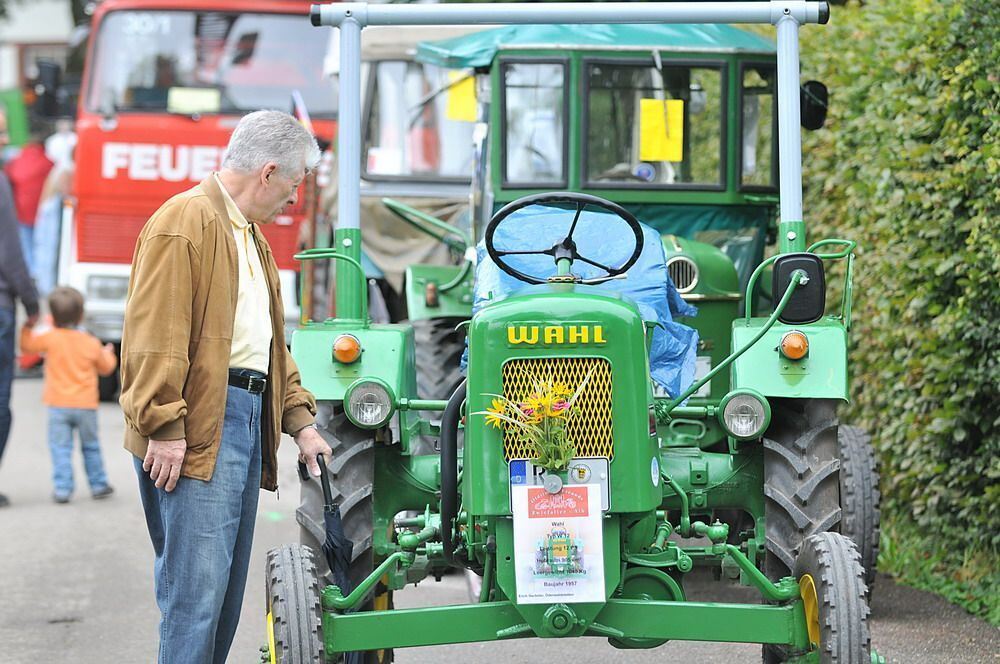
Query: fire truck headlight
x,y
106,287
370,403
744,414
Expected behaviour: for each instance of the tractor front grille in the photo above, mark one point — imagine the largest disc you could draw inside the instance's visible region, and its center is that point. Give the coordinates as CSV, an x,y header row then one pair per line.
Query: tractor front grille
x,y
590,428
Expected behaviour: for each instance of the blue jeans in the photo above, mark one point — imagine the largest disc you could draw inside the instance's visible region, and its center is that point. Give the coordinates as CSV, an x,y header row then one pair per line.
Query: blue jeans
x,y
46,249
7,329
202,533
62,421
27,235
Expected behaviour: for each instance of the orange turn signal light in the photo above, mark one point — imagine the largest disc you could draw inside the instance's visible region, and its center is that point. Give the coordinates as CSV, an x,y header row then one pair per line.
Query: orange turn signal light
x,y
794,345
346,349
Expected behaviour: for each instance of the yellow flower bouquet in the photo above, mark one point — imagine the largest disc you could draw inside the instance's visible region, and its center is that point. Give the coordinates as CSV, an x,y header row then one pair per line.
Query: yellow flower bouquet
x,y
540,421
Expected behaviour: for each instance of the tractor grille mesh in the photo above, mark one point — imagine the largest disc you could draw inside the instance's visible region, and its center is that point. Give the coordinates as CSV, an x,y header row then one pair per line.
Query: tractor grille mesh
x,y
590,428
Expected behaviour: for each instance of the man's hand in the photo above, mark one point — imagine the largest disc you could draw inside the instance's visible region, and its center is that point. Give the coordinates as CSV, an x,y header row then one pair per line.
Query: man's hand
x,y
310,444
31,321
163,462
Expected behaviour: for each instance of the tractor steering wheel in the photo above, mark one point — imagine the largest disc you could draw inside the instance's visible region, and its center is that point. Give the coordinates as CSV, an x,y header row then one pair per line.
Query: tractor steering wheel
x,y
565,248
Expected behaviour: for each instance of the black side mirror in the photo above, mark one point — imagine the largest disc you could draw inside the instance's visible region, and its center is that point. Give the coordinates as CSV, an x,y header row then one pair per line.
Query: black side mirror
x,y
47,89
813,98
808,302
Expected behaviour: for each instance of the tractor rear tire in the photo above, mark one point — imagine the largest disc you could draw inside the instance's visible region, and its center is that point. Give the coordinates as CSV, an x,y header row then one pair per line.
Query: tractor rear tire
x,y
801,478
439,348
351,469
295,614
859,497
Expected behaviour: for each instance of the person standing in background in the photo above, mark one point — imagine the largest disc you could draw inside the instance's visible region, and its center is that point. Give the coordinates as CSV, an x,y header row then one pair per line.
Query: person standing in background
x,y
27,173
15,284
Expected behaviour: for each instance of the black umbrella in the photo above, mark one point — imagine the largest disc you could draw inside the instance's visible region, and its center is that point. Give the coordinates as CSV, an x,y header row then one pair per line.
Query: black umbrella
x,y
337,548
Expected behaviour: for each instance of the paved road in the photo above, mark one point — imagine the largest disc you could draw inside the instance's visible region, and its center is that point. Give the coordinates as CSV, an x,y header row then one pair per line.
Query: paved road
x,y
75,580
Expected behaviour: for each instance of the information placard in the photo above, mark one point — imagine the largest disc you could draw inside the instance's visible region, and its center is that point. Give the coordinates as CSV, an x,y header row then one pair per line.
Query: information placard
x,y
558,544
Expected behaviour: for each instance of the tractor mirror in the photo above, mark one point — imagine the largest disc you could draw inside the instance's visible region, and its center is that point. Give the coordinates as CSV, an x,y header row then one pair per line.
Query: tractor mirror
x,y
813,97
808,302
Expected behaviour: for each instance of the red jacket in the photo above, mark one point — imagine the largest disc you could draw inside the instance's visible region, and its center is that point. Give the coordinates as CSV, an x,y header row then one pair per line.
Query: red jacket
x,y
27,173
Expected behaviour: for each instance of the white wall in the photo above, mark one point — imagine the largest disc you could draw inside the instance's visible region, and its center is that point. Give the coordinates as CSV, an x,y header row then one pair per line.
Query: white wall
x,y
30,22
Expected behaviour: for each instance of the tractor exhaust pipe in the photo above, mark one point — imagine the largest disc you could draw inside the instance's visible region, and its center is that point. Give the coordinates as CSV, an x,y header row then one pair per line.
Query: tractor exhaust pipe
x,y
449,471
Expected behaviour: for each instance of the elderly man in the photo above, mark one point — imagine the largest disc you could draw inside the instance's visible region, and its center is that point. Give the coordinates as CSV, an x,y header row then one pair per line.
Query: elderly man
x,y
208,384
15,284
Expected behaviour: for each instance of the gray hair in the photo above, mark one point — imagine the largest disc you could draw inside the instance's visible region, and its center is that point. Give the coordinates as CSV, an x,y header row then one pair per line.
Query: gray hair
x,y
270,136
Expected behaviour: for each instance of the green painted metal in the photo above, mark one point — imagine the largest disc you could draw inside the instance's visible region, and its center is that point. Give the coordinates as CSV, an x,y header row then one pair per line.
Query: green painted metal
x,y
454,237
452,285
554,304
822,374
387,353
351,301
479,49
640,619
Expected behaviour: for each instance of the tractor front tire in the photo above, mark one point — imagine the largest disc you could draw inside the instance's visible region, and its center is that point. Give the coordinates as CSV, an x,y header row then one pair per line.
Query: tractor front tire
x,y
801,478
294,611
841,613
859,497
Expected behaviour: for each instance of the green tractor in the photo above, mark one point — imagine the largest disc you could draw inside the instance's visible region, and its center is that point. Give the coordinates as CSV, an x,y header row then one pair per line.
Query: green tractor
x,y
586,408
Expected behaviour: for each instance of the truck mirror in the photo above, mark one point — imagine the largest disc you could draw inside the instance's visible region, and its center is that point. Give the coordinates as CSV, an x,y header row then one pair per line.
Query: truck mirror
x,y
47,88
813,97
808,302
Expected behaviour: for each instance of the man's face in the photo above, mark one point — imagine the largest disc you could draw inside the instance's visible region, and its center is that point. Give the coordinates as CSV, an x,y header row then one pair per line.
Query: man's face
x,y
279,189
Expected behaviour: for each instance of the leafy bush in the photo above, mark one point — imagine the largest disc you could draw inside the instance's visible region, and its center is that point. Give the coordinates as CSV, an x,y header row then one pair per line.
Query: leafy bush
x,y
909,165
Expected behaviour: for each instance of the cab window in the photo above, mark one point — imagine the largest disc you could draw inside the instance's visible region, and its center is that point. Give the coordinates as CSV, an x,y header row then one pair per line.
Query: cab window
x,y
534,110
758,147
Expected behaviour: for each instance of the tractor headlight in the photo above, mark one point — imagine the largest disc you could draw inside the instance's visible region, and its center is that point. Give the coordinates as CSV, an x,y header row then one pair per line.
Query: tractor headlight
x,y
744,414
369,403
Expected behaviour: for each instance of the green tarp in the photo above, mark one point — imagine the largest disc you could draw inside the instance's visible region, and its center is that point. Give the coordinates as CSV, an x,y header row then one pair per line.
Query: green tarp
x,y
479,49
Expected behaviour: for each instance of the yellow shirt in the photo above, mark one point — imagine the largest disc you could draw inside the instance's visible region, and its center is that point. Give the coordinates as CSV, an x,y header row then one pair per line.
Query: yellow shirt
x,y
252,327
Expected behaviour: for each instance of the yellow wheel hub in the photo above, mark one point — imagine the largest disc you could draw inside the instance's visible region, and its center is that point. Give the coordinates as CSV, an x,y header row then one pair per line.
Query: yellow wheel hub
x,y
810,604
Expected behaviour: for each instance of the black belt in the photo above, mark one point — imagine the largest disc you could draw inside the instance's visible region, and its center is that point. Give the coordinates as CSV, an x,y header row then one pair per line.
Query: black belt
x,y
252,384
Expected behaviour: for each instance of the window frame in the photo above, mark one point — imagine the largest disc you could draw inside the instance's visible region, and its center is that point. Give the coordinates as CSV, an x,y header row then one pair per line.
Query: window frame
x,y
502,63
757,188
720,64
366,118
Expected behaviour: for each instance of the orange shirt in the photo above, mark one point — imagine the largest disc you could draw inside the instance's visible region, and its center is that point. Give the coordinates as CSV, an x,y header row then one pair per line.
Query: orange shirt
x,y
72,361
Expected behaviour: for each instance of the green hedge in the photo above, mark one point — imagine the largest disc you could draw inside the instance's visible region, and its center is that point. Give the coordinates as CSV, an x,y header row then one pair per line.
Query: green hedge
x,y
909,166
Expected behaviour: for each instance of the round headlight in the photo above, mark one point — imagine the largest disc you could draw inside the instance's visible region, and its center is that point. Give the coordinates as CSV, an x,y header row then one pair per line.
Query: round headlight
x,y
744,414
369,403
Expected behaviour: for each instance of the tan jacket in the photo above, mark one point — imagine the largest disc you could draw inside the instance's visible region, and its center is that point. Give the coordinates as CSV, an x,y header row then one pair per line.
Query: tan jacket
x,y
178,332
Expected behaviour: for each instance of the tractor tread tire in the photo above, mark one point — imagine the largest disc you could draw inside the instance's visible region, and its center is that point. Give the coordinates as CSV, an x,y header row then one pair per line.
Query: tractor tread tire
x,y
860,497
293,595
835,565
351,469
438,349
802,479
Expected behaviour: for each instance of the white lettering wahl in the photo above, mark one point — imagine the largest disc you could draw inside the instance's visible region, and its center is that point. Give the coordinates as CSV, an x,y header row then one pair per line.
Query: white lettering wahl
x,y
151,162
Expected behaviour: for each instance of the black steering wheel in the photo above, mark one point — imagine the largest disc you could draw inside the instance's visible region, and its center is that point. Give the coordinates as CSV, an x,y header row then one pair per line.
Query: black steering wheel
x,y
565,248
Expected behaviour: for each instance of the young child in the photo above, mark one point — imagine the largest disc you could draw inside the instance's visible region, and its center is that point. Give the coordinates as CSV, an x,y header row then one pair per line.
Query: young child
x,y
73,359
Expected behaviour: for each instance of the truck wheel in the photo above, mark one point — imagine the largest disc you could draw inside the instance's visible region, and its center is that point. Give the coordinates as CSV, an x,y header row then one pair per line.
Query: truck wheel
x,y
294,612
859,497
351,469
801,478
439,348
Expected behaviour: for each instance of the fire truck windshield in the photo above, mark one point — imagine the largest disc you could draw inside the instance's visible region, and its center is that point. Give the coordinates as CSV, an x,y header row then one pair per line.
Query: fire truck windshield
x,y
194,62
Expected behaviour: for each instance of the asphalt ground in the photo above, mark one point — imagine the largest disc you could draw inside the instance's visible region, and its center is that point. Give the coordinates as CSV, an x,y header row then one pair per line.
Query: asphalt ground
x,y
76,579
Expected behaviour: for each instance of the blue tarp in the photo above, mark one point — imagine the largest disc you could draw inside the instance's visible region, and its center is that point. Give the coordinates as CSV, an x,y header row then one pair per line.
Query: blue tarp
x,y
605,238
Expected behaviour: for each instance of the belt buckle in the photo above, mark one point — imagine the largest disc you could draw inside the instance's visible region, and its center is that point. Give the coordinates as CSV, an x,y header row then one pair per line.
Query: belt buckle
x,y
256,385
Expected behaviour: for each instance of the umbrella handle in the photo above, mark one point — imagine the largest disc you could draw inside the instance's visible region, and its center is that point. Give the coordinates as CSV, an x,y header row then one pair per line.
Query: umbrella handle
x,y
324,480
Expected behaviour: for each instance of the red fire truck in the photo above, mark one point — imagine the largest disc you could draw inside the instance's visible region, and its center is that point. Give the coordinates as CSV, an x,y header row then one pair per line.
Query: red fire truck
x,y
164,84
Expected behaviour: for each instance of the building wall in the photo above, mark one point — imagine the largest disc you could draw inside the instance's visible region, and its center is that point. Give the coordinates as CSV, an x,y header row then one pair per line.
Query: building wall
x,y
33,23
